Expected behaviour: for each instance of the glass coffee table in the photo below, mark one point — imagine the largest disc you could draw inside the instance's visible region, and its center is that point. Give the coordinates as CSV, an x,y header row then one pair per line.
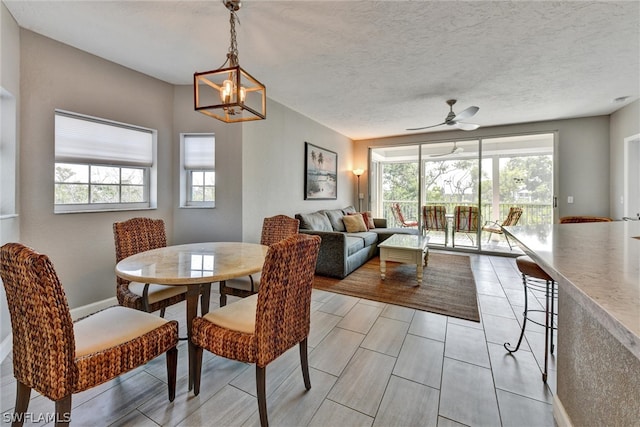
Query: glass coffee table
x,y
406,249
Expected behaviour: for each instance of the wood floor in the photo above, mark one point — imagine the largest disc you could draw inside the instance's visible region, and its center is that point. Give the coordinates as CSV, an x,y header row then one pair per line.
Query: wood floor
x,y
371,364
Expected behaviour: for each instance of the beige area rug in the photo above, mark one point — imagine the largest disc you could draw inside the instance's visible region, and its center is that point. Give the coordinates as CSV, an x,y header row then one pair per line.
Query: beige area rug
x,y
448,286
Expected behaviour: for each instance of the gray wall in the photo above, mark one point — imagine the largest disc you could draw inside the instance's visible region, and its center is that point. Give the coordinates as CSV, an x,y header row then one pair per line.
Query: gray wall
x,y
273,167
220,223
55,75
624,123
582,158
10,81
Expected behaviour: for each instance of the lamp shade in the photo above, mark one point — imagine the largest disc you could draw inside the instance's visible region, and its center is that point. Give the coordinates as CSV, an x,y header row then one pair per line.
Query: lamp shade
x,y
358,172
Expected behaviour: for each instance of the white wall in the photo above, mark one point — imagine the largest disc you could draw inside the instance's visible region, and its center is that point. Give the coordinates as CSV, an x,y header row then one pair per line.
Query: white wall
x,y
624,123
582,156
55,75
10,81
273,167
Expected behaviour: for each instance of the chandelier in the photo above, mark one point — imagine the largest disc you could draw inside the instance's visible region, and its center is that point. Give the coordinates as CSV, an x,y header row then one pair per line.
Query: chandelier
x,y
230,93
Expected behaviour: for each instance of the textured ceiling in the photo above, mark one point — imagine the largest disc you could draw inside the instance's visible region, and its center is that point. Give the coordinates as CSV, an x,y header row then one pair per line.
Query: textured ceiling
x,y
374,68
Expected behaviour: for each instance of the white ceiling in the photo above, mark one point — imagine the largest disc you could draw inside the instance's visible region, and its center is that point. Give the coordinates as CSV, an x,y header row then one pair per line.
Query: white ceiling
x,y
374,68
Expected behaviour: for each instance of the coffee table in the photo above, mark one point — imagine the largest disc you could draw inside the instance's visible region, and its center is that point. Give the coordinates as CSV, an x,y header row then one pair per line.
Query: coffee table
x,y
406,249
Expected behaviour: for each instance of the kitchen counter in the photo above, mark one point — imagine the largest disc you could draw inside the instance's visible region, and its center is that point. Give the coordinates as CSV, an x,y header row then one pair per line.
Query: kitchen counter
x,y
597,267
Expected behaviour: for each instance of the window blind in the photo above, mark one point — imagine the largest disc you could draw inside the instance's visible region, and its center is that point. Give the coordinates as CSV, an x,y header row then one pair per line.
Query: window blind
x,y
85,140
199,152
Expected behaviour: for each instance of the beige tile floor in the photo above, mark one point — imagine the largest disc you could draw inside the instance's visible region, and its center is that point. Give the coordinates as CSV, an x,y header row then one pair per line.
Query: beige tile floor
x,y
372,364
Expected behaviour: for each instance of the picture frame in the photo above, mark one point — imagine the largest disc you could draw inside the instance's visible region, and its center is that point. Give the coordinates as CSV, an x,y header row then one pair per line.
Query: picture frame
x,y
320,173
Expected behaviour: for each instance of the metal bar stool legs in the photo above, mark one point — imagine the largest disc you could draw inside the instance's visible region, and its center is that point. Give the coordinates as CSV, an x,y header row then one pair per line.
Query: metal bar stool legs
x,y
535,279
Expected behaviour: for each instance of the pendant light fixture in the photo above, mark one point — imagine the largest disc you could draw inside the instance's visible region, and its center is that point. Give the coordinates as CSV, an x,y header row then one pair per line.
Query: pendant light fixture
x,y
230,93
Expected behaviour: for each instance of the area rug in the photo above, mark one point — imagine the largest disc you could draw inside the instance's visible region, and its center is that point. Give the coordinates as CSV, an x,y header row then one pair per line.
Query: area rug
x,y
448,286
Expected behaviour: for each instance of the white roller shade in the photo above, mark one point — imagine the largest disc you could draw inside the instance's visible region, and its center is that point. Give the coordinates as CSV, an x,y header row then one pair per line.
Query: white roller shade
x,y
85,140
199,152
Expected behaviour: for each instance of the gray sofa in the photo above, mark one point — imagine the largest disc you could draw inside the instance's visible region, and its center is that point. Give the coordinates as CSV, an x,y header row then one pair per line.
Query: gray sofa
x,y
342,252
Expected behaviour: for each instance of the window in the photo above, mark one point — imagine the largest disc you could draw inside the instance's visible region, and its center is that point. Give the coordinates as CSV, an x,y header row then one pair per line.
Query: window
x,y
198,187
102,165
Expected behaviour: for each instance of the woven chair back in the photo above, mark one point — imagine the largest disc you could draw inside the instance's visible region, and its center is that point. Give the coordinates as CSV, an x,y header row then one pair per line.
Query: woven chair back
x,y
465,218
512,217
277,228
284,297
434,217
43,341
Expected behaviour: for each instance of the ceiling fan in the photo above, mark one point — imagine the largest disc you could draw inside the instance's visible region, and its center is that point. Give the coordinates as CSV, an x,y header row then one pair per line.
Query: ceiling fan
x,y
454,119
454,150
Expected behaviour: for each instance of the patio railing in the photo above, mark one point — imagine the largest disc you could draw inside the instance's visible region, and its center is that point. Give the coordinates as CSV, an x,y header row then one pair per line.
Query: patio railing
x,y
532,213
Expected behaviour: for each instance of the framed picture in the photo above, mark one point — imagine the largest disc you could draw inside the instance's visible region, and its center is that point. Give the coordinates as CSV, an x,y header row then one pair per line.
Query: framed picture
x,y
320,173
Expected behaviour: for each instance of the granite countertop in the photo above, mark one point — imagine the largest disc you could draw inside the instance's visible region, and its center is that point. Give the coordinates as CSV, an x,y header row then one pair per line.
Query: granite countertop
x,y
598,264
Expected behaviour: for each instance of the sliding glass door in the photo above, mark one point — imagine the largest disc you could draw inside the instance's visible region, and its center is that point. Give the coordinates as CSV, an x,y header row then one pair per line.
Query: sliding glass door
x,y
453,188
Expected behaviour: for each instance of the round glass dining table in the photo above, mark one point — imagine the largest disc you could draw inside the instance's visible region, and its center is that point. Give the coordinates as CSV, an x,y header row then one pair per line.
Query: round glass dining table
x,y
195,265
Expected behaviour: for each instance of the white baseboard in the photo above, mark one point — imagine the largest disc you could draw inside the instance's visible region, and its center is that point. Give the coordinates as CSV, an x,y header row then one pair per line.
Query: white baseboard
x,y
77,313
559,414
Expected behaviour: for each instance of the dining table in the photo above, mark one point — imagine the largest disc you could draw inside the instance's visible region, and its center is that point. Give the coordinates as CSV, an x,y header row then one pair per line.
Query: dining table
x,y
196,266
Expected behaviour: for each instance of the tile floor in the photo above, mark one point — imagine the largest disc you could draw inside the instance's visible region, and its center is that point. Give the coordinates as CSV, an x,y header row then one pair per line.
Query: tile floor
x,y
372,364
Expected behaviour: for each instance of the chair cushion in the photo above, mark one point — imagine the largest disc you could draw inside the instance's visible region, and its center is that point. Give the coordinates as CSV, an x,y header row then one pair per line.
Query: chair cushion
x,y
244,282
157,292
354,244
529,267
238,316
111,327
369,237
316,221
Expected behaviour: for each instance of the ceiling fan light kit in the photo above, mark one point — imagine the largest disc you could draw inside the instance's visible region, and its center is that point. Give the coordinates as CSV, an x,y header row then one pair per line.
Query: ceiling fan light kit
x,y
230,93
454,119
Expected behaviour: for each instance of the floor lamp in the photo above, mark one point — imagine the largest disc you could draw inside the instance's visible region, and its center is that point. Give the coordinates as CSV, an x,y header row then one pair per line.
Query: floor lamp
x,y
357,173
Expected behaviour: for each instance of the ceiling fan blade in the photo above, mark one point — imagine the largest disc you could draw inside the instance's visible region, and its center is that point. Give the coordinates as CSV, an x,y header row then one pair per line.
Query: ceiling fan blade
x,y
467,126
465,114
427,127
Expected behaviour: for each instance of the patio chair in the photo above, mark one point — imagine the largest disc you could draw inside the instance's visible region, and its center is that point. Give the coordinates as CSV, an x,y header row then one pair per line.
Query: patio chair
x,y
137,235
57,357
399,217
260,328
274,229
465,220
434,218
492,227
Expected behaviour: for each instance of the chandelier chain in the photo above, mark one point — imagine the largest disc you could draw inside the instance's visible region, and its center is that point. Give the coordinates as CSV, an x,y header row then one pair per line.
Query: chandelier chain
x,y
232,55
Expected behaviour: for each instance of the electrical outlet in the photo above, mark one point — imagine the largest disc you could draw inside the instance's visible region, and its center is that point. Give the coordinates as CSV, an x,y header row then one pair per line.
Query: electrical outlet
x,y
570,199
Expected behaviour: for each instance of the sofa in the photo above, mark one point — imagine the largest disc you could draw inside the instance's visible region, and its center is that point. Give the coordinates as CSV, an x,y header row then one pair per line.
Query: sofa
x,y
342,251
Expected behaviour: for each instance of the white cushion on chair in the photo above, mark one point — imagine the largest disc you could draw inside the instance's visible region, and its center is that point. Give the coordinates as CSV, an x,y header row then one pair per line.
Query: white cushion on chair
x,y
111,327
238,316
244,282
157,292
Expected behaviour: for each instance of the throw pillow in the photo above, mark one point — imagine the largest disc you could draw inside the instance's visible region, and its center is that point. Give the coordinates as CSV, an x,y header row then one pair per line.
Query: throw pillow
x,y
367,217
354,223
316,221
335,217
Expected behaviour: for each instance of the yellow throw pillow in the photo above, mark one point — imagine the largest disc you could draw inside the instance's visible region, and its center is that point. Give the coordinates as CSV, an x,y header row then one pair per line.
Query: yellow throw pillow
x,y
354,223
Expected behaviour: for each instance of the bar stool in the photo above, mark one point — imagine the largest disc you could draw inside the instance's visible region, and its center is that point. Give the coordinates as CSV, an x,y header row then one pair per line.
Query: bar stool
x,y
535,279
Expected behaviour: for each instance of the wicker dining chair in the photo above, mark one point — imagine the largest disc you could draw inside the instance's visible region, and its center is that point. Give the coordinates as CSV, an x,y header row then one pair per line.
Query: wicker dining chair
x,y
274,229
56,357
259,328
465,220
137,235
492,227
